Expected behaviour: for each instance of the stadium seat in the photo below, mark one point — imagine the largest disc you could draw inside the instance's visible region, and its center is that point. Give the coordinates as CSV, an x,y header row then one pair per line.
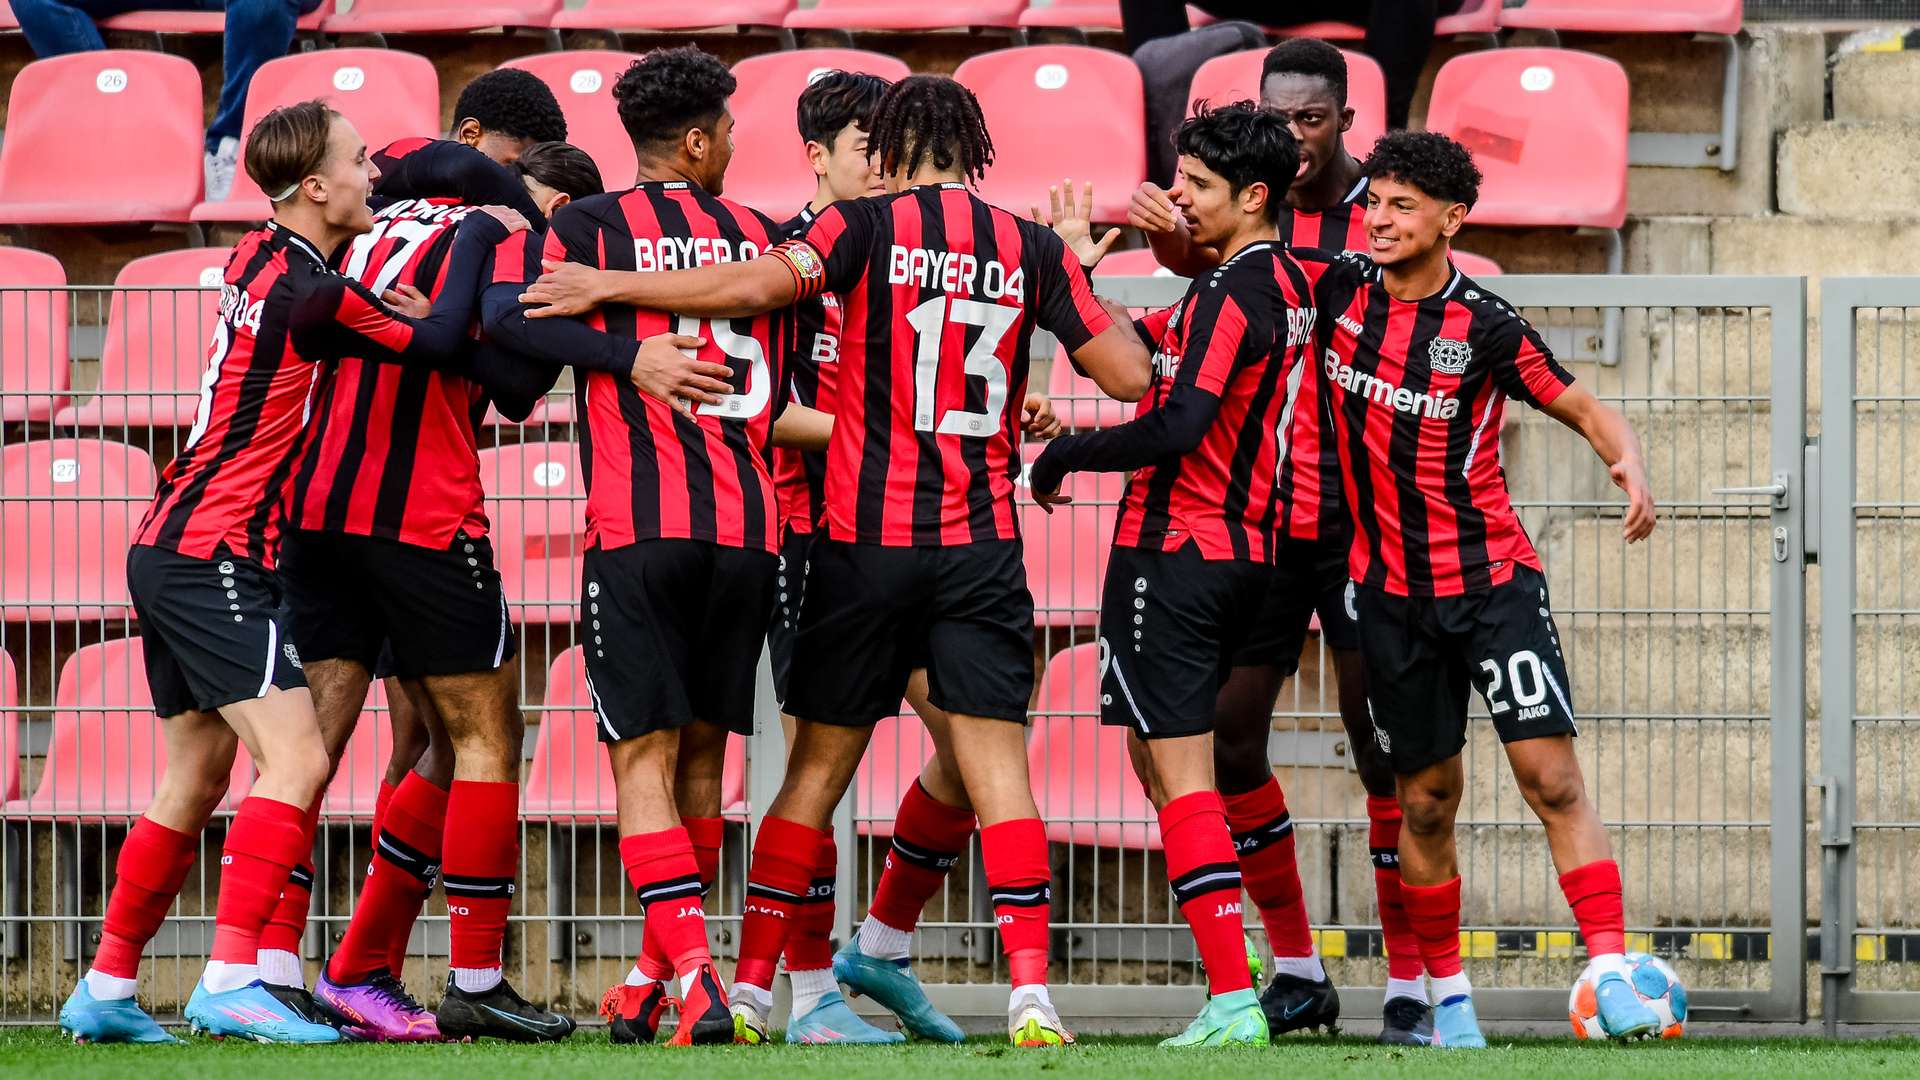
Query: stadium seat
x,y
537,507
356,783
1079,402
96,137
769,171
68,509
582,80
1475,266
1081,776
652,15
1548,128
1058,112
437,17
1073,15
894,15
155,352
1237,75
203,22
1132,262
387,94
899,747
34,368
1066,551
8,21
9,731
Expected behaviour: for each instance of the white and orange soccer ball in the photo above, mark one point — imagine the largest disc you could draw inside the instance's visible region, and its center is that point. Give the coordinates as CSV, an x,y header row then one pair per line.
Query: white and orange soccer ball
x,y
1652,979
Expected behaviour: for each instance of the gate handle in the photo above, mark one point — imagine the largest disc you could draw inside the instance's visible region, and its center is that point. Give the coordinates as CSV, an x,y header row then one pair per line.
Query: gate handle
x,y
1777,491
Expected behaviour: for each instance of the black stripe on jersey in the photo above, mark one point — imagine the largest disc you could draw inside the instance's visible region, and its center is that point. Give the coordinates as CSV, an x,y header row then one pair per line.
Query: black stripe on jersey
x,y
980,502
1470,520
876,365
326,384
736,436
409,410
615,241
702,514
1254,430
930,479
354,450
1354,407
1415,529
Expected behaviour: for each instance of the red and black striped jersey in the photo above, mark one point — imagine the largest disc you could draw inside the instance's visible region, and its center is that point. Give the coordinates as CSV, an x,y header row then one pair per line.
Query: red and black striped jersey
x,y
1243,334
1416,390
1342,227
281,310
940,293
651,470
801,475
393,451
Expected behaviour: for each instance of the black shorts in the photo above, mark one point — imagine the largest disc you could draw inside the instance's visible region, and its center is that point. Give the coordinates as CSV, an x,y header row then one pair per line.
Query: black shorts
x,y
214,630
790,584
873,614
370,600
1308,576
1423,653
1170,625
673,630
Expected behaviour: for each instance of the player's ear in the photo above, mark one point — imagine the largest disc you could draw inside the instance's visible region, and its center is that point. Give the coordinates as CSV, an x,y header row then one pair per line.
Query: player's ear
x,y
1346,118
695,144
468,131
1452,219
560,199
1253,198
817,156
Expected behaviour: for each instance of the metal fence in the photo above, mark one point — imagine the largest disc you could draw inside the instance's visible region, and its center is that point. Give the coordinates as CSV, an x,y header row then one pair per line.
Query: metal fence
x,y
1688,656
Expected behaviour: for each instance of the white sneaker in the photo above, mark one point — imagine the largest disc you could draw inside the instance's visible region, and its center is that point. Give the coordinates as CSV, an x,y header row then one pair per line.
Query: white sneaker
x,y
1033,1022
219,166
749,1020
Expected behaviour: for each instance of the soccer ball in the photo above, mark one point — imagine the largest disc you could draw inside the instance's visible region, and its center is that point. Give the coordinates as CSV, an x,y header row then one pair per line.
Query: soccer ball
x,y
1652,979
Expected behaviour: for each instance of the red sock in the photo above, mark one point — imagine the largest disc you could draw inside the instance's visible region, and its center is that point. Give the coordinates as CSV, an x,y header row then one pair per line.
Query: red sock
x,y
1593,891
264,842
1383,843
810,945
706,834
479,867
784,855
153,864
665,874
928,838
1263,835
1434,911
1206,885
406,856
380,803
289,919
1014,855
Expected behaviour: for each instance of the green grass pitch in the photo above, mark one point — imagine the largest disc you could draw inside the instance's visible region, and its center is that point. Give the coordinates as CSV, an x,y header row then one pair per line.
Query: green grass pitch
x,y
42,1054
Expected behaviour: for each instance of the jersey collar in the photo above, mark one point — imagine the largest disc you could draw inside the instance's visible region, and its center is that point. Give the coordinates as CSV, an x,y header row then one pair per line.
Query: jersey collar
x,y
295,240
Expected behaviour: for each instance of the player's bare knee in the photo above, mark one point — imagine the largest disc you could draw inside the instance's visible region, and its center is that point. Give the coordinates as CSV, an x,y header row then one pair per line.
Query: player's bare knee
x,y
1554,791
1240,760
1427,807
190,790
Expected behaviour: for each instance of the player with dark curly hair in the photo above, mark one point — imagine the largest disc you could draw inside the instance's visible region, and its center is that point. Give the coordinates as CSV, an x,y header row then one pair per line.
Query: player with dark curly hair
x,y
935,121
674,98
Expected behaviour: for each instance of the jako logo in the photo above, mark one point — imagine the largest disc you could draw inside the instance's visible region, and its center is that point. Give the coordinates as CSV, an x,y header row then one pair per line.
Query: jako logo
x,y
1434,406
1227,909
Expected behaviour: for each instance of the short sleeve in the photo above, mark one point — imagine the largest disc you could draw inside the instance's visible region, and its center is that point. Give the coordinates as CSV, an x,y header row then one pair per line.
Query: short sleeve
x,y
1152,327
842,236
1218,337
1523,367
1059,294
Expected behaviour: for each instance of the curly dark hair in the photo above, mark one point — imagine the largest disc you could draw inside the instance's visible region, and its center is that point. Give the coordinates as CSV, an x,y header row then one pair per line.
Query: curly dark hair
x,y
668,92
1246,145
514,103
930,118
563,167
1429,161
1308,56
836,99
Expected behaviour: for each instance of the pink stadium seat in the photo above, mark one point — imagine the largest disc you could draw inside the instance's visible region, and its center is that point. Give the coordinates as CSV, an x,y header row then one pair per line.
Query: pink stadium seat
x,y
8,21
1066,551
1078,402
356,783
1057,112
1548,128
583,81
109,136
1085,15
1237,75
537,507
202,22
1625,16
1475,266
652,15
68,509
9,731
900,746
438,17
387,94
769,170
157,339
1081,776
894,15
34,369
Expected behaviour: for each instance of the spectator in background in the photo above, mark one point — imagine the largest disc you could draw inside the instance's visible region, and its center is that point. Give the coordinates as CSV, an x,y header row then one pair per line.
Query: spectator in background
x,y
257,31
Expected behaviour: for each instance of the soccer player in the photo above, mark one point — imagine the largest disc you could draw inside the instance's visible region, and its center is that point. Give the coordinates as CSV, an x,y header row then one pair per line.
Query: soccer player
x,y
920,563
220,663
1199,524
1418,363
1305,81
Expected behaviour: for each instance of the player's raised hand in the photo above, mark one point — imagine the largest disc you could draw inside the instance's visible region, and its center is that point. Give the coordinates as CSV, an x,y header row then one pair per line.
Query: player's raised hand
x,y
666,369
1151,210
1072,221
408,301
1631,477
564,288
1038,418
508,216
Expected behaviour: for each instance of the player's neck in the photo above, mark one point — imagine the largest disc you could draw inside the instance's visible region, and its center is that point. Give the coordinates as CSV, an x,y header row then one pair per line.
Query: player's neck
x,y
665,171
927,175
1418,278
309,223
1252,234
1328,188
822,198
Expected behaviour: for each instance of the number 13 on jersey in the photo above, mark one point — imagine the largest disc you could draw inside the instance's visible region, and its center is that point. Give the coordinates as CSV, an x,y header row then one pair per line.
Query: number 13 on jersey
x,y
930,321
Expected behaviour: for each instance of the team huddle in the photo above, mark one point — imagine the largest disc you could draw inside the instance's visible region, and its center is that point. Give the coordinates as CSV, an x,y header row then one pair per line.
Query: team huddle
x,y
806,437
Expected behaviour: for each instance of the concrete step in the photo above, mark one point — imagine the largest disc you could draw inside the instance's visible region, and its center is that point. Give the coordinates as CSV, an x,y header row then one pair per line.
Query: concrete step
x,y
1850,169
1876,85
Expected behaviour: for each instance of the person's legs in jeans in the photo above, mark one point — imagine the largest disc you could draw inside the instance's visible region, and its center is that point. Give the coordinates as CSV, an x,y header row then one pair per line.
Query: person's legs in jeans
x,y
58,27
257,31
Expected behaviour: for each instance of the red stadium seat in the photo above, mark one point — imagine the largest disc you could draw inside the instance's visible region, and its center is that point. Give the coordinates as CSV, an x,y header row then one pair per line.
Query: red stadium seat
x,y
1625,16
1475,266
1079,402
202,22
8,21
583,81
1548,128
900,746
96,137
769,171
894,15
1056,112
157,339
68,509
651,15
537,506
1081,776
1132,262
387,94
9,731
34,369
1066,551
356,783
438,17
1237,75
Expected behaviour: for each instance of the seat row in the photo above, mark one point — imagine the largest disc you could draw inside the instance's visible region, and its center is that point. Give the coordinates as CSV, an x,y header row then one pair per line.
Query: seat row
x,y
116,136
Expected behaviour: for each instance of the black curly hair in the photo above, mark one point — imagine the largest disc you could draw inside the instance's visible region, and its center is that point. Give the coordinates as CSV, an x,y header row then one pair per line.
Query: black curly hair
x,y
513,103
1312,57
930,118
1429,161
1246,145
836,99
668,92
563,167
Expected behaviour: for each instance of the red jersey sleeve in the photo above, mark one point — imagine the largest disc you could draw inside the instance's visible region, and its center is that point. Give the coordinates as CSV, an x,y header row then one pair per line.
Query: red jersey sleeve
x,y
514,256
1523,367
1152,327
1216,340
1059,294
833,254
